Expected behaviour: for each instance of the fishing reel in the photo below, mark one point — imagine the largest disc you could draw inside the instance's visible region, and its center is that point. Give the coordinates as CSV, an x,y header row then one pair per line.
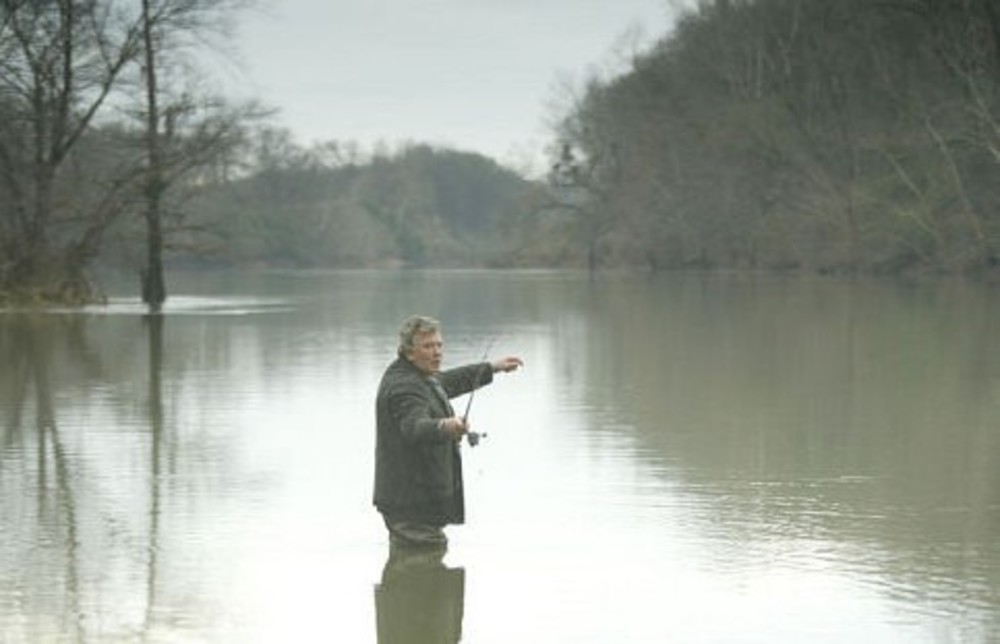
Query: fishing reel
x,y
475,437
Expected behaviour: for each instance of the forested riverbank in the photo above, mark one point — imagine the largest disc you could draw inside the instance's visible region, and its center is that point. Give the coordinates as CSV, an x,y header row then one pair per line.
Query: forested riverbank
x,y
850,136
847,137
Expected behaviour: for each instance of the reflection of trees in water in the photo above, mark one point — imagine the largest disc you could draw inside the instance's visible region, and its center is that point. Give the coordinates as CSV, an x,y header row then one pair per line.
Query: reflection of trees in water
x,y
64,530
154,325
27,346
850,413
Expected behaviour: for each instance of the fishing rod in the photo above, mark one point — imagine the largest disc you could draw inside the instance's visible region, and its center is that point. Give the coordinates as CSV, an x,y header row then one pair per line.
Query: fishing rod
x,y
475,437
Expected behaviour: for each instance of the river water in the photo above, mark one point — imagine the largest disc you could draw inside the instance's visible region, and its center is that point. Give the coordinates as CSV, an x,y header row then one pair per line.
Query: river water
x,y
683,459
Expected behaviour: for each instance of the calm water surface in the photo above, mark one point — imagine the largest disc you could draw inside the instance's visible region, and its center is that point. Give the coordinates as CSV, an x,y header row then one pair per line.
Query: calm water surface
x,y
683,459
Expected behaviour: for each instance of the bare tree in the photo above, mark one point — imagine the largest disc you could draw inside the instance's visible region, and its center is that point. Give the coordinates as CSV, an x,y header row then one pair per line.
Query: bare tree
x,y
63,65
61,60
153,288
185,129
586,165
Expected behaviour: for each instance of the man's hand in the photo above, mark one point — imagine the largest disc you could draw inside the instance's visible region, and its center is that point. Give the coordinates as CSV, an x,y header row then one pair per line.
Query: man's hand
x,y
508,364
455,426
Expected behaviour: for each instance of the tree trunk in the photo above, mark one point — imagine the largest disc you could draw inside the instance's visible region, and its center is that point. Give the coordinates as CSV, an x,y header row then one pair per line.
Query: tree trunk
x,y
154,291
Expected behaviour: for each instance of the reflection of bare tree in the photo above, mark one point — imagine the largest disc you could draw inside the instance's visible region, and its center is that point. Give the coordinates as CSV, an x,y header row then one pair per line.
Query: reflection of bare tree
x,y
105,471
90,459
67,507
48,500
28,348
18,376
154,327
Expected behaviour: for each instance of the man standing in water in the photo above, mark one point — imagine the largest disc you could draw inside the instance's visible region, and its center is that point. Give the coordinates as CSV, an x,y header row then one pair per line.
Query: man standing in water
x,y
418,464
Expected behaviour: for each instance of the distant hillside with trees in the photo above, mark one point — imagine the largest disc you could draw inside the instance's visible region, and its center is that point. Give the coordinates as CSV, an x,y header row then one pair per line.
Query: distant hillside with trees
x,y
328,207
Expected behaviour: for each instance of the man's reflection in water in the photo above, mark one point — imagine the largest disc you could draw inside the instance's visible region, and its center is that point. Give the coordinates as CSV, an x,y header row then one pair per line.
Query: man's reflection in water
x,y
419,600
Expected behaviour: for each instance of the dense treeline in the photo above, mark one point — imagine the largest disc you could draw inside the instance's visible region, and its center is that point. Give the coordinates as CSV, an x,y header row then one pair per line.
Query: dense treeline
x,y
847,136
855,135
322,208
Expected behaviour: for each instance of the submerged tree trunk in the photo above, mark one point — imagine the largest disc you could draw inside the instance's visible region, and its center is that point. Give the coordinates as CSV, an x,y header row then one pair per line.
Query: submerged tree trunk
x,y
154,291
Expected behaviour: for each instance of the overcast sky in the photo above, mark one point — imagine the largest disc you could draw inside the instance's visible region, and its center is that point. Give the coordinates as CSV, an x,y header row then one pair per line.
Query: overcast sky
x,y
476,75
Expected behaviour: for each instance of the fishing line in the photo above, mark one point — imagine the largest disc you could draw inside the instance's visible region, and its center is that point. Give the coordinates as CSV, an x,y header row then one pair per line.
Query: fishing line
x,y
475,437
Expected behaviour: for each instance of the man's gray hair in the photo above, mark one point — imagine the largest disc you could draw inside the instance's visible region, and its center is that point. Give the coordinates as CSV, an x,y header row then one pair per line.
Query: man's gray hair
x,y
414,326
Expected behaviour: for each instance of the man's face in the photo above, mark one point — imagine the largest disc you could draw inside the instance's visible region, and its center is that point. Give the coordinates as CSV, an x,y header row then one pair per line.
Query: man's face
x,y
427,352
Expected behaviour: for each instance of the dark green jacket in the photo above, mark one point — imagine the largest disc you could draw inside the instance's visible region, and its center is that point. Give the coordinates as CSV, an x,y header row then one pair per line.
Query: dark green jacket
x,y
418,466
